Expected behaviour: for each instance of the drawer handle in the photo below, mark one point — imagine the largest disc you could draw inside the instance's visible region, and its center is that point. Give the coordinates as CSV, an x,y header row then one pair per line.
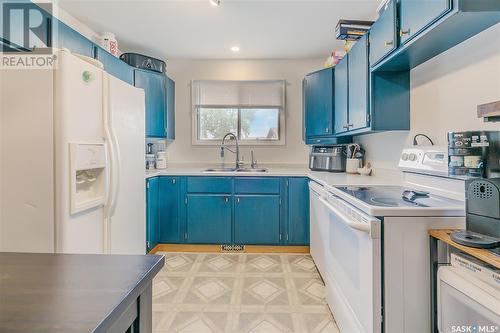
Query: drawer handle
x,y
389,43
404,32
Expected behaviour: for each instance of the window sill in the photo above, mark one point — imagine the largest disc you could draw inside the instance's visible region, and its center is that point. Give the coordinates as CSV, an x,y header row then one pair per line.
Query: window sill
x,y
259,143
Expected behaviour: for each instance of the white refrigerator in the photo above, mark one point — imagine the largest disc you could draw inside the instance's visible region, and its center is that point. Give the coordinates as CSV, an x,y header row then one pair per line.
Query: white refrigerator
x,y
71,160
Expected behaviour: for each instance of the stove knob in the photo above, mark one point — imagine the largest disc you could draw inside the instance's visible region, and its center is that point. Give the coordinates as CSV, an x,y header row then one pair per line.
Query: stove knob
x,y
413,157
404,157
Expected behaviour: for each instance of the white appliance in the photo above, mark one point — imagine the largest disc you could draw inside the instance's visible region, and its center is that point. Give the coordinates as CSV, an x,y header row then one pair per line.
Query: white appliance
x,y
466,301
72,147
372,247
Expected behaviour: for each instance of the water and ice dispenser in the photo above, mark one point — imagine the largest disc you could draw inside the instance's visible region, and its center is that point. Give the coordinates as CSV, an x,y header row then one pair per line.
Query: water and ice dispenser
x,y
88,176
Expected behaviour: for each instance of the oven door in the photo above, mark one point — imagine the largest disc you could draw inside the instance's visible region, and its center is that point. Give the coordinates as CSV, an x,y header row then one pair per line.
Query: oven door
x,y
353,279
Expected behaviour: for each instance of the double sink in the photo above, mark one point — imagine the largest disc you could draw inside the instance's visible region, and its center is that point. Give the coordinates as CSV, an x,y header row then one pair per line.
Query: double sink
x,y
235,170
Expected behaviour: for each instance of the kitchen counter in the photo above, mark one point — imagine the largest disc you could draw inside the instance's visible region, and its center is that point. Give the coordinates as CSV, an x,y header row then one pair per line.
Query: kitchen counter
x,y
75,292
328,179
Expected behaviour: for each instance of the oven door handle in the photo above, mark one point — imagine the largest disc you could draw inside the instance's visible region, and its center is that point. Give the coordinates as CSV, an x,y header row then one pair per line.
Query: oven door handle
x,y
364,227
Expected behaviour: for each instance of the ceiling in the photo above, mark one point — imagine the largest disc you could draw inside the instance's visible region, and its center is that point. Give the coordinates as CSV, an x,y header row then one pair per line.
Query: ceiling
x,y
194,29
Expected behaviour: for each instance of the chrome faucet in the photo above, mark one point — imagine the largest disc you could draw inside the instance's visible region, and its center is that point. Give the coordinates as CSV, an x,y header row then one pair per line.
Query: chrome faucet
x,y
237,152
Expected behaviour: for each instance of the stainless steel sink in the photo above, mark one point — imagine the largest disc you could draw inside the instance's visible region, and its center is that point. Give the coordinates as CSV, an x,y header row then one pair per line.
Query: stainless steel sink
x,y
220,170
235,170
251,170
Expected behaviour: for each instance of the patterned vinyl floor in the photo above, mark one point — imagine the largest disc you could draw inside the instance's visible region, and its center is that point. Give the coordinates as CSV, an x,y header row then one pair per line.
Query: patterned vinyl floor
x,y
260,293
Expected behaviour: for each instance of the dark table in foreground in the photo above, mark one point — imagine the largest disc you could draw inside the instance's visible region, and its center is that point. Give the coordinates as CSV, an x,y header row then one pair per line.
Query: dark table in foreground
x,y
76,293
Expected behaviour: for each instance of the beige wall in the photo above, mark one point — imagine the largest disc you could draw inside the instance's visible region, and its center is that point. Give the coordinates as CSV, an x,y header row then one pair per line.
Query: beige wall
x,y
445,92
183,71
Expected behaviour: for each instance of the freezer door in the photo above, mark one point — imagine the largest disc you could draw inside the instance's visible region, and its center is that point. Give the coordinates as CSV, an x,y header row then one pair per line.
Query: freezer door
x,y
125,136
26,163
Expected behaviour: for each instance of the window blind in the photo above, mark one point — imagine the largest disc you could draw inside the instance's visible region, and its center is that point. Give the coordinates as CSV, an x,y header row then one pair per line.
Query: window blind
x,y
238,94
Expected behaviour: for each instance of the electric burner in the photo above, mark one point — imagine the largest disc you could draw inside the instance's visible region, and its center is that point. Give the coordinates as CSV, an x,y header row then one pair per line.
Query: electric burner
x,y
397,196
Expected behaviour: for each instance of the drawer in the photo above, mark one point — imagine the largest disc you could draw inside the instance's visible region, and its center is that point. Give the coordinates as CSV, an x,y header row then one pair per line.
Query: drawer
x,y
209,185
251,185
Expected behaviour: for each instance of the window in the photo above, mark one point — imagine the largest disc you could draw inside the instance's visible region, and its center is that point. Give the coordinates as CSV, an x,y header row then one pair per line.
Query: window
x,y
253,110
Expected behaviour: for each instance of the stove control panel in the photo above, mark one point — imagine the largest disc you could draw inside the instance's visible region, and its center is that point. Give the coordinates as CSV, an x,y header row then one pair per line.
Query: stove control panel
x,y
425,159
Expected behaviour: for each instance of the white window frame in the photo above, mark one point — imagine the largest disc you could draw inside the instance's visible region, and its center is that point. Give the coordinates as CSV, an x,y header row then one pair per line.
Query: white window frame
x,y
195,140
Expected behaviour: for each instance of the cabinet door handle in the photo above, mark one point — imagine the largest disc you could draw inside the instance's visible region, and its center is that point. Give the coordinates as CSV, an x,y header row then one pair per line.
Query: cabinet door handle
x,y
173,181
350,125
388,43
226,199
404,32
327,129
346,127
238,200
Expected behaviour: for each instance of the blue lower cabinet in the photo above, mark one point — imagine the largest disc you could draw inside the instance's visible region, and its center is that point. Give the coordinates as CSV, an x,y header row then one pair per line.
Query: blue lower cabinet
x,y
257,219
168,205
152,213
208,218
297,211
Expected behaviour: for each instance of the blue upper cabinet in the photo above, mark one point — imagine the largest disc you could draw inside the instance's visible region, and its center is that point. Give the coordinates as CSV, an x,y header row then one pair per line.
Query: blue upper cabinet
x,y
318,103
154,89
170,117
383,39
341,95
208,218
257,219
430,27
168,206
358,85
152,213
66,37
297,232
114,65
415,15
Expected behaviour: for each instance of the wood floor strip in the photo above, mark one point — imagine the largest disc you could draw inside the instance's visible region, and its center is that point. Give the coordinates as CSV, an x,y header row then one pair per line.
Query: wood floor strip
x,y
217,248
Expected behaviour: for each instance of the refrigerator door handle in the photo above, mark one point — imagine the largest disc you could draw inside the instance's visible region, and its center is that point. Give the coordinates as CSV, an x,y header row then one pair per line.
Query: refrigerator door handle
x,y
114,158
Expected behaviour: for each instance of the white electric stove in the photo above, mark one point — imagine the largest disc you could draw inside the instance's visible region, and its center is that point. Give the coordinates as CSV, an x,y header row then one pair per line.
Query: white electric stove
x,y
371,246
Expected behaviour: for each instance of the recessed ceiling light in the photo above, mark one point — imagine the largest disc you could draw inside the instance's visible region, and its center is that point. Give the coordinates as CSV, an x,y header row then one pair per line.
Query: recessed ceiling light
x,y
215,2
235,48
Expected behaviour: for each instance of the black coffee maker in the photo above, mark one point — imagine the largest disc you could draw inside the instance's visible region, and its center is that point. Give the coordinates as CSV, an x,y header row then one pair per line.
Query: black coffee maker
x,y
482,199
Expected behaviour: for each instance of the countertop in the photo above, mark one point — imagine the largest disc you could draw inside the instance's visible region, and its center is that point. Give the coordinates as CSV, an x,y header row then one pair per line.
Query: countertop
x,y
70,292
487,256
327,179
